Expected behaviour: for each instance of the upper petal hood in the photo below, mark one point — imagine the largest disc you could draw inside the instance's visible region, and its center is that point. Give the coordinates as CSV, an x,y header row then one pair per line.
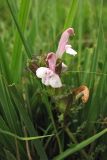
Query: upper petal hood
x,y
64,41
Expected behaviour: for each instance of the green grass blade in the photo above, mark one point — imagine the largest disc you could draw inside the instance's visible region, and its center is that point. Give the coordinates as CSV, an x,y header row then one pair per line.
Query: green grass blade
x,y
4,140
28,51
94,108
80,30
80,146
71,13
7,106
9,142
27,122
4,61
97,51
19,38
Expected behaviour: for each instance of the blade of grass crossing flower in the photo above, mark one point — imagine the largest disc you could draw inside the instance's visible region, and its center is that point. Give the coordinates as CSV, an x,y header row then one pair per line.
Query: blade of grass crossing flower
x,y
71,14
80,146
21,25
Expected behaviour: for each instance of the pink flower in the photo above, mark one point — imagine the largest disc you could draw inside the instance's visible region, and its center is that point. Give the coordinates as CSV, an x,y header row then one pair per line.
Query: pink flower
x,y
48,75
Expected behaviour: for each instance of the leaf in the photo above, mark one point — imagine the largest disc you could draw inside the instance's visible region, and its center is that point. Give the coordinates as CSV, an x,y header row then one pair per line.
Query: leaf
x,y
16,62
71,13
4,61
9,142
8,109
80,146
27,122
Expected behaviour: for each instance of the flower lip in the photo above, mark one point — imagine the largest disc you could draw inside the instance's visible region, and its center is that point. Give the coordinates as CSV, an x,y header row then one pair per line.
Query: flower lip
x,y
49,78
69,50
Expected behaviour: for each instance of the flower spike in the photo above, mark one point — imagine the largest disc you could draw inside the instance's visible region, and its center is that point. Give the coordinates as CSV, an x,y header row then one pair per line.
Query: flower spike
x,y
49,74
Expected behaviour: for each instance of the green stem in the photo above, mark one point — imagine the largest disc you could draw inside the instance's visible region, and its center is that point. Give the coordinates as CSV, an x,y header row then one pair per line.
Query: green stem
x,y
23,138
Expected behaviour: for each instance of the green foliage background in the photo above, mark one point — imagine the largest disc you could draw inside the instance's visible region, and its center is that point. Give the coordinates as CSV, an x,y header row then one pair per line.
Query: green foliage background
x,y
29,28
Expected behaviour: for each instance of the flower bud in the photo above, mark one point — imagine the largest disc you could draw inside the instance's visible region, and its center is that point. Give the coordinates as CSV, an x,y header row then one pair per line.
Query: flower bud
x,y
83,91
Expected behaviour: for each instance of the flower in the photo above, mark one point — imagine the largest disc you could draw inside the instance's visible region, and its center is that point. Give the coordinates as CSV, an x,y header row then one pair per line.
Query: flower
x,y
48,74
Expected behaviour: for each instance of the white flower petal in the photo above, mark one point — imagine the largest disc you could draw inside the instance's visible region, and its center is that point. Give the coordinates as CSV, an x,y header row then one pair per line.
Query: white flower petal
x,y
41,72
55,81
48,77
69,50
64,67
45,81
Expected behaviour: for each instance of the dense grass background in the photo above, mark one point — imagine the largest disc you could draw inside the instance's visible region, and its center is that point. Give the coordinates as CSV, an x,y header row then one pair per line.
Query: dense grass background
x,y
29,28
